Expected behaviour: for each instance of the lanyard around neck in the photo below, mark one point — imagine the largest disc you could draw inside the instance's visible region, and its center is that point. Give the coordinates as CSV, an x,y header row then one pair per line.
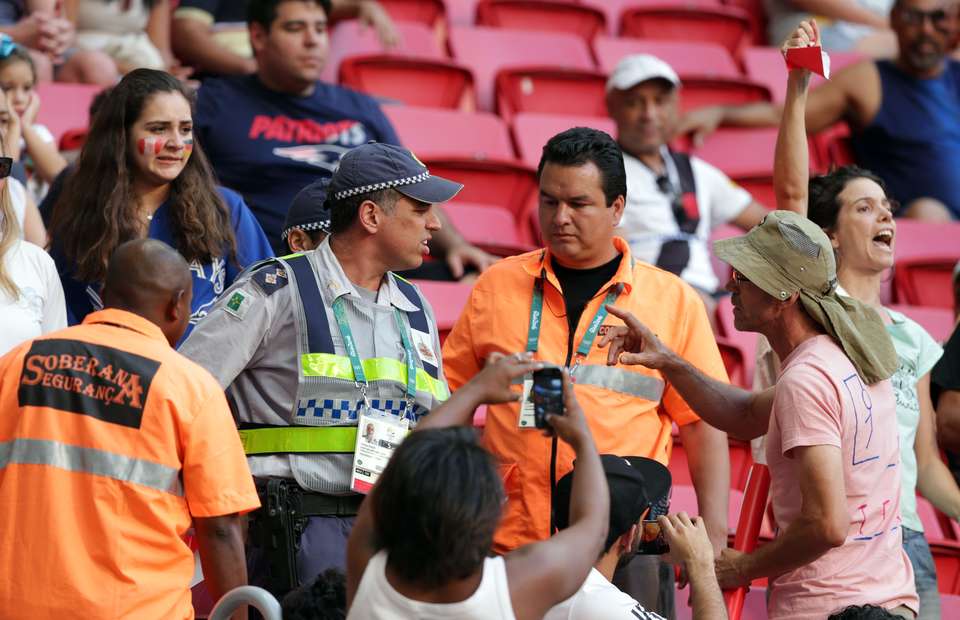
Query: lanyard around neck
x,y
536,314
359,376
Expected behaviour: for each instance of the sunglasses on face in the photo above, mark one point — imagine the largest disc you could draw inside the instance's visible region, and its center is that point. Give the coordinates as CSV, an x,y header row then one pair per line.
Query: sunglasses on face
x,y
916,17
6,164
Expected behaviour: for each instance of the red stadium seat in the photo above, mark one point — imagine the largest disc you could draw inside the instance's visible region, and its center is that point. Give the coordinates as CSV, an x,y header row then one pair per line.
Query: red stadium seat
x,y
938,322
720,268
64,106
428,12
699,58
421,82
550,91
545,15
684,497
473,149
749,529
946,557
765,65
447,300
73,139
487,226
726,26
349,38
614,8
531,131
745,343
746,156
924,281
487,51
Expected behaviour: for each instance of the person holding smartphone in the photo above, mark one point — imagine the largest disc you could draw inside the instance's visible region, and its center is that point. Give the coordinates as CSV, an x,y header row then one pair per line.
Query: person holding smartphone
x,y
421,545
637,485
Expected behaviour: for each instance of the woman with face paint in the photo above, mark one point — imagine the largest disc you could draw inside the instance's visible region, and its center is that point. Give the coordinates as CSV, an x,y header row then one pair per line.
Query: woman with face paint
x,y
141,175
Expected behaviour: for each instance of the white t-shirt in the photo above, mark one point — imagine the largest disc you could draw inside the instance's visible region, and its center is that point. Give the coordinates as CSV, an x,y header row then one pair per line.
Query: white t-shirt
x,y
648,219
376,599
40,307
18,198
598,599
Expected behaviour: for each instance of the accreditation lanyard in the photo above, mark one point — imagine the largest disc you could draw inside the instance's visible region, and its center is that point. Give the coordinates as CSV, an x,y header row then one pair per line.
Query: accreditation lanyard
x,y
536,313
359,376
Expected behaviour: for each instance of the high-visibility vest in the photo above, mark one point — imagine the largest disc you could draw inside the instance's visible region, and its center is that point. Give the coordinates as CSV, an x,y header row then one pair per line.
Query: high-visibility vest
x,y
324,415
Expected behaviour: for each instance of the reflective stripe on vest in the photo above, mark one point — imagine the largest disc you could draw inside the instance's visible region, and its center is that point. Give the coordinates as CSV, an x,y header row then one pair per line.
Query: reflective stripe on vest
x,y
91,461
620,380
376,369
285,439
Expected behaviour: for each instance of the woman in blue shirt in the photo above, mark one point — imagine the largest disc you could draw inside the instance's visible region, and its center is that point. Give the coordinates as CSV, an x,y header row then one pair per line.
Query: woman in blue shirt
x,y
141,175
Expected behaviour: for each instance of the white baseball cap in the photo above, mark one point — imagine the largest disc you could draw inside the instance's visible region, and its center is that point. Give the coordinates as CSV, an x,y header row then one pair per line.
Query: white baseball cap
x,y
637,68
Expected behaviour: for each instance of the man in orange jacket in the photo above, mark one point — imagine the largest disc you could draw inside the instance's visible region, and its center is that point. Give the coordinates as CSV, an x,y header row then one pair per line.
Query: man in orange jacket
x,y
112,445
551,302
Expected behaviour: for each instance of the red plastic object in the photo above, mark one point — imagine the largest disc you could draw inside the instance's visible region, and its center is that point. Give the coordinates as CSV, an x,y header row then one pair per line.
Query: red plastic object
x,y
701,58
427,12
544,15
925,281
726,26
938,322
447,300
550,91
531,131
73,139
350,38
413,81
64,106
489,227
487,51
765,65
748,528
475,135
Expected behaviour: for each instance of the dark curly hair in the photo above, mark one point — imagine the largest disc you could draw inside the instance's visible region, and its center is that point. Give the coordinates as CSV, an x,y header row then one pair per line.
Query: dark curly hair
x,y
437,506
863,612
823,206
98,209
325,598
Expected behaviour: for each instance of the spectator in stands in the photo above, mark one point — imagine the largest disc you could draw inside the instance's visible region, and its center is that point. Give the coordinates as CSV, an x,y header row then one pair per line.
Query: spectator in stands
x,y
851,206
673,200
882,100
945,392
31,297
38,25
18,80
135,33
861,26
212,36
25,210
114,446
308,221
422,540
836,498
141,175
325,598
290,127
565,286
636,485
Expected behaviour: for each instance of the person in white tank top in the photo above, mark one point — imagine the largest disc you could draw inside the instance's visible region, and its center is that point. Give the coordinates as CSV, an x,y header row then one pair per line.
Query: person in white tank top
x,y
421,541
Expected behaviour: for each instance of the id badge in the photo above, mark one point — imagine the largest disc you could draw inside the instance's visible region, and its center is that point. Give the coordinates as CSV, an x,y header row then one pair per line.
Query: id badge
x,y
527,419
378,435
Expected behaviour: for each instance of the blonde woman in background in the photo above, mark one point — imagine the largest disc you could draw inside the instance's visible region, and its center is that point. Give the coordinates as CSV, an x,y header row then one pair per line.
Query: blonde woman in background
x,y
31,297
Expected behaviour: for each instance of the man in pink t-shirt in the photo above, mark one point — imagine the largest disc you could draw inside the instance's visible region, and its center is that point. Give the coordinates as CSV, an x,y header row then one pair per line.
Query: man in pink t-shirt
x,y
832,443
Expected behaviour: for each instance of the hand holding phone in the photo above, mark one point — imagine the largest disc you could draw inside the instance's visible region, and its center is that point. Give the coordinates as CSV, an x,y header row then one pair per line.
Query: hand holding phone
x,y
652,541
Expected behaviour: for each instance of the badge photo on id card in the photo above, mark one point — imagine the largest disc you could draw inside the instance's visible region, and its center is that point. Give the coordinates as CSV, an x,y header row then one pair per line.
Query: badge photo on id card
x,y
378,435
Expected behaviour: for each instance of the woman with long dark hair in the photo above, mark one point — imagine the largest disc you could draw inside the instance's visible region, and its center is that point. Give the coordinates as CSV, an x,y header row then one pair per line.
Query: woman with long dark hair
x,y
141,175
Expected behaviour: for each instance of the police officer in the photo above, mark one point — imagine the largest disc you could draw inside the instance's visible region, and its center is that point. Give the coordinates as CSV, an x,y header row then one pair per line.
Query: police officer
x,y
308,345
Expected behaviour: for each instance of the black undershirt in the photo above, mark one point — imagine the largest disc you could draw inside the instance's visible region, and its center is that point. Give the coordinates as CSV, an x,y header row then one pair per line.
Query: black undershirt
x,y
579,286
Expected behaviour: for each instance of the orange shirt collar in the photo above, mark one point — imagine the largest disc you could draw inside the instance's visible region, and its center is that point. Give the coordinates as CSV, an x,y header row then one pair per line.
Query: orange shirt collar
x,y
539,261
126,319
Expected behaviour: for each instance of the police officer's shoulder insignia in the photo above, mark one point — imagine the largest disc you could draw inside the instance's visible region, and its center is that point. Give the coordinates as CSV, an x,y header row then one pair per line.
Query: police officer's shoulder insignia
x,y
270,278
238,304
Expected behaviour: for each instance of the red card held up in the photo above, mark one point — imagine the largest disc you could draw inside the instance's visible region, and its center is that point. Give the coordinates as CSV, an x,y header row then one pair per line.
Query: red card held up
x,y
812,58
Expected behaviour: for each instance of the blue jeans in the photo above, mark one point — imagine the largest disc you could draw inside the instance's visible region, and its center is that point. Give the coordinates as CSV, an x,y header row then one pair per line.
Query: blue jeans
x,y
924,573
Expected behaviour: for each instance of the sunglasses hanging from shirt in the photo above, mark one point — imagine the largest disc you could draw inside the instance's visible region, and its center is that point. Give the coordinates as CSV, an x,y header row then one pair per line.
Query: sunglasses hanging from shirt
x,y
675,253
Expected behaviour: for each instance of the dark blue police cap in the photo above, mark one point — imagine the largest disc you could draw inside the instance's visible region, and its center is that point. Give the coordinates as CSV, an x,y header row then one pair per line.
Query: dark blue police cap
x,y
309,209
376,166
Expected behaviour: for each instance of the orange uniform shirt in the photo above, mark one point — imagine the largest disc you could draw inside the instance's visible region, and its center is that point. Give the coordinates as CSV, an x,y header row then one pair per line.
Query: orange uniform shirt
x,y
109,442
630,409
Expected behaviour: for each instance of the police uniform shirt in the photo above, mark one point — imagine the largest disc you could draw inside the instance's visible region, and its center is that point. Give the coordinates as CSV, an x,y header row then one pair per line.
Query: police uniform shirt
x,y
251,349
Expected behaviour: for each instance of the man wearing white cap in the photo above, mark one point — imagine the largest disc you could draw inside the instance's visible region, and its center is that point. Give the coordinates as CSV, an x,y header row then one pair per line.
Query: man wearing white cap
x,y
673,199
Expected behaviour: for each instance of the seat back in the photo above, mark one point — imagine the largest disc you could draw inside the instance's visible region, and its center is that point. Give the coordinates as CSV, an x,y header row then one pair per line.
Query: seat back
x,y
550,91
413,81
726,26
545,15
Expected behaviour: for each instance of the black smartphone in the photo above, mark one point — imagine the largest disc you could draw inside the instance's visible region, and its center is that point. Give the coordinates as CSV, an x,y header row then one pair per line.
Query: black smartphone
x,y
547,394
651,539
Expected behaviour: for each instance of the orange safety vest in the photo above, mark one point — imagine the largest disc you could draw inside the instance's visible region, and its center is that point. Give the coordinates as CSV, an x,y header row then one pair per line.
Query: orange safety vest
x,y
110,442
630,409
